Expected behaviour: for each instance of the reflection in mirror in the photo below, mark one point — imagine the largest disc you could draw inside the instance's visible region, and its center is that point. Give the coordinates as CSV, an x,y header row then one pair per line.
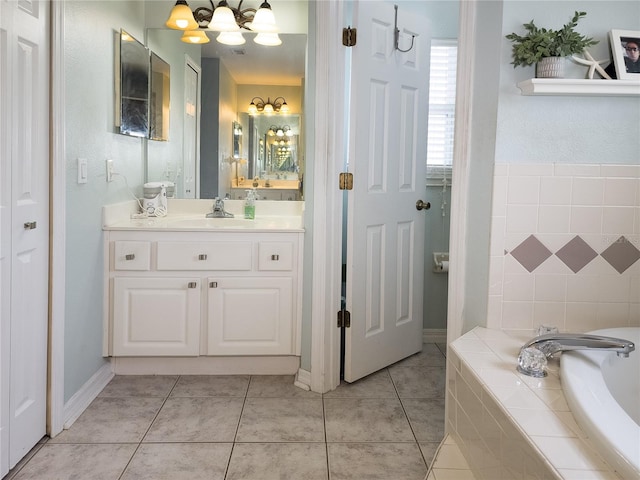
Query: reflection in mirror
x,y
230,76
237,139
159,99
134,87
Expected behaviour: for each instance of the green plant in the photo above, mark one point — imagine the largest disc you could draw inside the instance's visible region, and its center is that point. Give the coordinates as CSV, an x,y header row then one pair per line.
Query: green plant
x,y
540,42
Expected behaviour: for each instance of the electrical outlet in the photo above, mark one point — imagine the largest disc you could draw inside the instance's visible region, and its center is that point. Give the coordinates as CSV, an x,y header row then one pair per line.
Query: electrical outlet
x,y
109,170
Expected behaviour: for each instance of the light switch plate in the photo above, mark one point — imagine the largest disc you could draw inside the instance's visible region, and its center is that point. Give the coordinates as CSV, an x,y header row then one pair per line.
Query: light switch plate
x,y
82,170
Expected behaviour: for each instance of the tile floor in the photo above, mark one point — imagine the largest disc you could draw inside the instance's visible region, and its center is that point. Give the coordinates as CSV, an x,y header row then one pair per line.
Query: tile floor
x,y
385,426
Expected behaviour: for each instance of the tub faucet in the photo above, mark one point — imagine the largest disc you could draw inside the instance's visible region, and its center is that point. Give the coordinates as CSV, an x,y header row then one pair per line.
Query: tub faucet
x,y
218,210
533,356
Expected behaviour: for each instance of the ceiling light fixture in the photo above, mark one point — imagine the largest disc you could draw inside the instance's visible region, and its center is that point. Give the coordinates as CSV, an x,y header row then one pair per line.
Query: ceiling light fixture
x,y
228,21
258,105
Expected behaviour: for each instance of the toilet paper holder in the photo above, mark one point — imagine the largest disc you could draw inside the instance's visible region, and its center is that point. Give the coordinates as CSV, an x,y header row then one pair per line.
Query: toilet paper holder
x,y
440,262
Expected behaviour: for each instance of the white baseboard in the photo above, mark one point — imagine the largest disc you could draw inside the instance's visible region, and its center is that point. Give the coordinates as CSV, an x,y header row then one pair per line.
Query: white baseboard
x,y
434,335
303,379
79,402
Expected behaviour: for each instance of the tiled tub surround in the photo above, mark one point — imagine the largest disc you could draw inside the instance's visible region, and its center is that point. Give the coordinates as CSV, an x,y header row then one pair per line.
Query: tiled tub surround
x,y
510,426
565,247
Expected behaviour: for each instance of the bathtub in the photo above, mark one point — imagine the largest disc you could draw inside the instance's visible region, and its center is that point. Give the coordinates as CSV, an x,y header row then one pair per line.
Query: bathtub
x,y
603,392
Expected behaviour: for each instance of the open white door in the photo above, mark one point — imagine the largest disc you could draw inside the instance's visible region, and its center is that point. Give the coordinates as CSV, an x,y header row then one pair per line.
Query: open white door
x,y
387,156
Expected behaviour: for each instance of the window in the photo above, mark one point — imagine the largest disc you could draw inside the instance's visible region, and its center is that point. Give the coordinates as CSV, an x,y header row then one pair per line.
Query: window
x,y
442,100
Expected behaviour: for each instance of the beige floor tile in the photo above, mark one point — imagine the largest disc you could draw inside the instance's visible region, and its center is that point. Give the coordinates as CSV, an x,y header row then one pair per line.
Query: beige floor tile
x,y
112,420
366,420
452,474
429,450
376,461
196,419
211,386
419,382
277,386
281,420
139,386
73,462
276,461
426,416
179,461
376,385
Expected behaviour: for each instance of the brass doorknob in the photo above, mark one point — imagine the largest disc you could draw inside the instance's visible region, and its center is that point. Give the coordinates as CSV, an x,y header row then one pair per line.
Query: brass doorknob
x,y
420,205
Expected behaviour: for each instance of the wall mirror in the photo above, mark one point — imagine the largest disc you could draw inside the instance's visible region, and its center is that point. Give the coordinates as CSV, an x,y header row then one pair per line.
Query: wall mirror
x,y
159,98
132,106
230,77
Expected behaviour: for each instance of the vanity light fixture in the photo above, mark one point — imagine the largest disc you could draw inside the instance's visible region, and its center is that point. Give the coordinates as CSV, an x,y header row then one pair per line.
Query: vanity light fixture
x,y
258,105
195,36
276,131
228,21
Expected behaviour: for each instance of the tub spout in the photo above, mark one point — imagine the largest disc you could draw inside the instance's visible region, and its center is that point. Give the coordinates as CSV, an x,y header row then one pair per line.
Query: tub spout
x,y
533,355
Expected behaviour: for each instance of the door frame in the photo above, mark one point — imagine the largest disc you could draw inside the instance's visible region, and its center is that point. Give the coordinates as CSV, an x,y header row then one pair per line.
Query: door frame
x,y
329,144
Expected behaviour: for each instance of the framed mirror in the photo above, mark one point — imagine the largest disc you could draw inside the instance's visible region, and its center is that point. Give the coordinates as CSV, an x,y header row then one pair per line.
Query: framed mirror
x,y
132,103
159,98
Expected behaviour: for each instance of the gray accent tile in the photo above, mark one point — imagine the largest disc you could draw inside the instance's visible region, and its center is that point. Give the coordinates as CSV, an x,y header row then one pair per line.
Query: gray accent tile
x,y
375,461
173,461
621,254
276,461
70,462
277,386
139,386
531,253
281,420
366,420
196,419
211,386
576,254
376,385
112,420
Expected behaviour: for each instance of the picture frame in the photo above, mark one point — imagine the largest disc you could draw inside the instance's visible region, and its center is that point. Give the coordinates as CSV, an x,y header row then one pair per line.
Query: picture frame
x,y
626,60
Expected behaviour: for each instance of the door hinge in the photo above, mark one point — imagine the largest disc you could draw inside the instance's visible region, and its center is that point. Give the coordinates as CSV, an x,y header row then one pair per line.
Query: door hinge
x,y
349,36
346,181
344,319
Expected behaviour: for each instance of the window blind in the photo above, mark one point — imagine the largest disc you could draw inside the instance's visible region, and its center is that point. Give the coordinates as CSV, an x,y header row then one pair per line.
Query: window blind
x,y
442,100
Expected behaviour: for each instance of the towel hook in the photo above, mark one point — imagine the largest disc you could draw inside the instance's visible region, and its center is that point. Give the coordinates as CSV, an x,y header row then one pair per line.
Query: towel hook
x,y
396,34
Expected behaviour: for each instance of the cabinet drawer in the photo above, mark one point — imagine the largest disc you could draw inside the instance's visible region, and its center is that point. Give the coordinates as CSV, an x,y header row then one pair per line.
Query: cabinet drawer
x,y
275,256
232,256
129,255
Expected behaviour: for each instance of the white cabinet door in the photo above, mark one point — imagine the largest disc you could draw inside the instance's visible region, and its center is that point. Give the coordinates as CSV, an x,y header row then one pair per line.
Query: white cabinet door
x,y
156,316
250,316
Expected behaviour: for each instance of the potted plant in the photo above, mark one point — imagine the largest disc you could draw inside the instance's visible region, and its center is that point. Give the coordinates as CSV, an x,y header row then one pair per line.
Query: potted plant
x,y
546,48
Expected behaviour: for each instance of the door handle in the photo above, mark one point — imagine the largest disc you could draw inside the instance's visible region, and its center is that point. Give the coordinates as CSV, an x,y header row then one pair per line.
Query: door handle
x,y
420,205
29,225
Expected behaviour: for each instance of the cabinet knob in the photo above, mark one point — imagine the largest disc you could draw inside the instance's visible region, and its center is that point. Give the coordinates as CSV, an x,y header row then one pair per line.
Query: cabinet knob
x,y
275,257
202,256
130,256
213,284
192,285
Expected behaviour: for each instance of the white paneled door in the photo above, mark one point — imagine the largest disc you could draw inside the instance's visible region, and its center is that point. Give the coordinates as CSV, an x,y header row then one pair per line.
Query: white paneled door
x,y
24,225
191,139
387,156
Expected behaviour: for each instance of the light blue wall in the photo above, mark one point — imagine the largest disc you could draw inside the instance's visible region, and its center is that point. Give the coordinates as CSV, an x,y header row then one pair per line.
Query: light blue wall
x,y
89,111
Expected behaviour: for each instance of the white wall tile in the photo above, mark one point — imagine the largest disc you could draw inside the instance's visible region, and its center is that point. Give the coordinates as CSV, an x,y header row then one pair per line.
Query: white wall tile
x,y
496,275
518,287
499,196
581,317
554,219
569,170
555,190
523,190
583,288
497,241
529,169
614,288
550,288
550,314
612,315
587,191
618,220
522,218
517,315
620,192
586,220
625,171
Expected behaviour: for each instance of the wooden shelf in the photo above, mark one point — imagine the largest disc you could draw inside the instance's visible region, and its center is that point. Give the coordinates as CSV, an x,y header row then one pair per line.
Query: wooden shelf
x,y
580,87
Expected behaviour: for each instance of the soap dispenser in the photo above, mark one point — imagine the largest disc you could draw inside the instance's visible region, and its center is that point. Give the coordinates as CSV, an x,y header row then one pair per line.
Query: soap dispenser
x,y
250,205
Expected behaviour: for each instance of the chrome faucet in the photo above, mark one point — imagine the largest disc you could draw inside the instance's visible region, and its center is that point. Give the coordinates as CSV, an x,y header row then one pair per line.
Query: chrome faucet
x,y
218,210
533,356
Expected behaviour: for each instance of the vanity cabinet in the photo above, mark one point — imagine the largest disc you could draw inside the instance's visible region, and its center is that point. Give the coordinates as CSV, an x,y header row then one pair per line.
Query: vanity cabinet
x,y
202,293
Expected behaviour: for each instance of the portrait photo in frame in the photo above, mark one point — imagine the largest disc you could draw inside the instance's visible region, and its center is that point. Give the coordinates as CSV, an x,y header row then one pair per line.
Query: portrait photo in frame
x,y
625,46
